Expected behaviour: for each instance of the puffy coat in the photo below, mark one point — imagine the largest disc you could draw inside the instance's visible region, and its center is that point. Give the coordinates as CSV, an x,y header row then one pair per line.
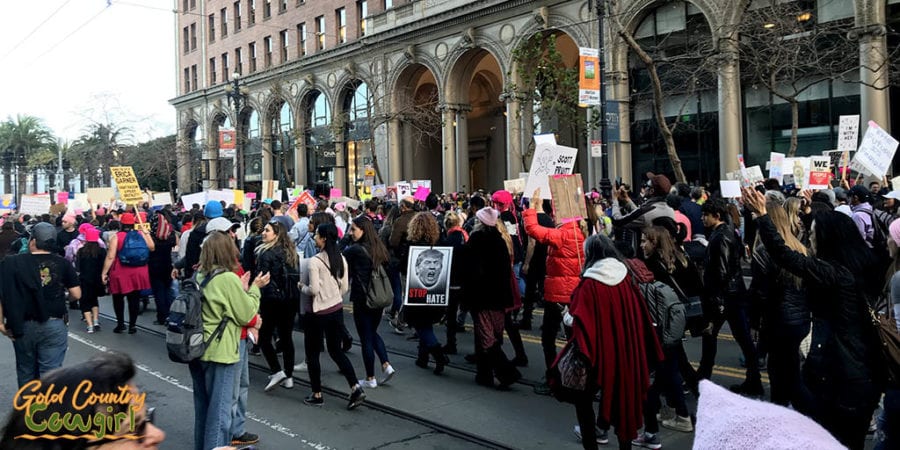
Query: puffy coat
x,y
784,303
565,256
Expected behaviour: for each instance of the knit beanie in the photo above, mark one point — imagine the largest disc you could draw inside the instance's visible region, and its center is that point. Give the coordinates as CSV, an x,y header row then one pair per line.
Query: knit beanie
x,y
895,231
488,216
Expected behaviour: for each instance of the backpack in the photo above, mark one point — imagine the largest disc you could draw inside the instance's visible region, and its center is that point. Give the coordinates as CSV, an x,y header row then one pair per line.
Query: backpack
x,y
879,243
666,310
379,293
134,251
184,326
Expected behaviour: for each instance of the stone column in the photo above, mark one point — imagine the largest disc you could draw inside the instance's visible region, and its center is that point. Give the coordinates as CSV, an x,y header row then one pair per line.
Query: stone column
x,y
340,168
395,159
267,157
731,139
873,73
463,180
407,152
182,156
448,147
515,140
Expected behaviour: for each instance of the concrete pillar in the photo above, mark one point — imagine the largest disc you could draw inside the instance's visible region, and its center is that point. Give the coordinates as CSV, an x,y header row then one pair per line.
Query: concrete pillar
x,y
463,178
395,159
182,156
873,73
407,152
268,160
448,148
620,152
340,169
731,139
515,141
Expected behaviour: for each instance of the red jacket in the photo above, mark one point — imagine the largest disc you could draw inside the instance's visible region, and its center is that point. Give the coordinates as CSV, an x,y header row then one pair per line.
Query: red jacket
x,y
565,256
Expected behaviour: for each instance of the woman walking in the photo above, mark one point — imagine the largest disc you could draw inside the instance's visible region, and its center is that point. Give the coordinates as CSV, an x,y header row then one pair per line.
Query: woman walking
x,y
89,263
323,318
126,281
423,231
456,238
229,302
276,256
363,256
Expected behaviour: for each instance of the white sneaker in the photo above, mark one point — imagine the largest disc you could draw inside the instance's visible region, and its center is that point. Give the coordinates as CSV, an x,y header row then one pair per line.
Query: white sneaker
x,y
370,384
288,383
301,367
388,374
274,379
678,423
665,413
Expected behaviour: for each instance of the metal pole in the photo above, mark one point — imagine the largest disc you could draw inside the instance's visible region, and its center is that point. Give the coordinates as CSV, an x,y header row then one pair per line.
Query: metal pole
x,y
601,7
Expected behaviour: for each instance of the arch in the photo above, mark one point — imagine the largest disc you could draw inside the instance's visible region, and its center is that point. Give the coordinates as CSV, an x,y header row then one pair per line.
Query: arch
x,y
415,145
355,110
403,70
637,11
318,138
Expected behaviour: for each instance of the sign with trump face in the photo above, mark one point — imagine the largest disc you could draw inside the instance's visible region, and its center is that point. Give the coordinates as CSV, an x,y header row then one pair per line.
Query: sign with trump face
x,y
428,276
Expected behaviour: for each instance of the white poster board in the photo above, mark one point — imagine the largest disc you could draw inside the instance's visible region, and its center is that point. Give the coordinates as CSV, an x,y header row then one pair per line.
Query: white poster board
x,y
799,169
80,202
819,173
35,205
416,184
514,186
776,162
730,188
549,160
428,280
756,175
222,195
188,200
404,189
161,199
848,133
876,152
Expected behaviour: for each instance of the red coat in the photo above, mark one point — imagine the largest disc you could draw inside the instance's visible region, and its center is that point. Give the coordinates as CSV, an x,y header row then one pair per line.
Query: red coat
x,y
565,256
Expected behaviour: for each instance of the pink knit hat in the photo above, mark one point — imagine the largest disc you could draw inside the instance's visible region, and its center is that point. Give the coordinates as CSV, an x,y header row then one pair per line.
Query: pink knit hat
x,y
488,216
895,231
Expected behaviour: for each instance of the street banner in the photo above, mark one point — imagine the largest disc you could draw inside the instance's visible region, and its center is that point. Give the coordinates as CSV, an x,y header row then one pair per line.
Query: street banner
x,y
101,196
596,148
776,162
35,204
548,160
428,282
514,186
188,200
876,152
369,178
161,199
730,188
568,198
589,73
129,189
819,173
379,191
227,143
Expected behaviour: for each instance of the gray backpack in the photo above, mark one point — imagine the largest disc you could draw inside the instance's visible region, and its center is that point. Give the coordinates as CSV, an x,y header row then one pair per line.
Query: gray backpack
x,y
666,310
184,326
379,293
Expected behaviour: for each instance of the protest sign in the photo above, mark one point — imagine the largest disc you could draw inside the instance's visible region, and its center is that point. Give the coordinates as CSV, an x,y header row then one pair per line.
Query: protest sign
x,y
745,174
404,189
188,200
568,198
102,195
307,199
62,197
819,173
35,204
730,188
127,184
848,133
351,203
335,193
876,152
776,162
7,203
421,193
514,186
238,197
416,184
161,199
270,190
80,202
246,203
544,139
895,184
549,160
428,282
798,168
379,191
755,174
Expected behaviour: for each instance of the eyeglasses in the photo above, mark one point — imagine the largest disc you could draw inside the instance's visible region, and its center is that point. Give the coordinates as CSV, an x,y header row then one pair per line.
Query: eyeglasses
x,y
140,430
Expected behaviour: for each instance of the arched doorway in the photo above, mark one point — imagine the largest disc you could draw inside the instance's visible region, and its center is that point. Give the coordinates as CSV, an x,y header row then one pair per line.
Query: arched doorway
x,y
283,140
252,138
418,137
357,135
320,151
220,163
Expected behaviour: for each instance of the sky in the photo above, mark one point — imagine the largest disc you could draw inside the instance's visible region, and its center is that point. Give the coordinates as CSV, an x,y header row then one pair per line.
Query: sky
x,y
76,62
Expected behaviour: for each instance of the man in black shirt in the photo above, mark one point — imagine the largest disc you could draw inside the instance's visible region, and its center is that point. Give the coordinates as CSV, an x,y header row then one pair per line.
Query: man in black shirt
x,y
33,287
67,232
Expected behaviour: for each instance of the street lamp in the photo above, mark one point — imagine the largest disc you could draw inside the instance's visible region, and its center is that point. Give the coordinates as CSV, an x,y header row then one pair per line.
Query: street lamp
x,y
237,93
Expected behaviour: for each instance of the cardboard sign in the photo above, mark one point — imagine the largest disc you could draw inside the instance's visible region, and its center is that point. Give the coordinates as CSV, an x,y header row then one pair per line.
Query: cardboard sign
x,y
188,200
776,162
379,191
819,173
730,188
270,190
161,199
422,193
404,189
876,152
35,204
514,186
127,183
428,279
549,160
568,198
102,195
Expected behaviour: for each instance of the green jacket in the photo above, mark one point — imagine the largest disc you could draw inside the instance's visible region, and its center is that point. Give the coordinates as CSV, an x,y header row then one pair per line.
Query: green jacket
x,y
225,297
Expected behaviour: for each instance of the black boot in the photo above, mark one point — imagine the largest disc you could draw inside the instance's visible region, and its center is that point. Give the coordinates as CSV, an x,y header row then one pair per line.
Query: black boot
x,y
440,359
422,360
506,372
484,376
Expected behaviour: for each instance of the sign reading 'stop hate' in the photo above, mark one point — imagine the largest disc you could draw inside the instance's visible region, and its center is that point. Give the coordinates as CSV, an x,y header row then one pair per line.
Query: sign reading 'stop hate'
x,y
127,183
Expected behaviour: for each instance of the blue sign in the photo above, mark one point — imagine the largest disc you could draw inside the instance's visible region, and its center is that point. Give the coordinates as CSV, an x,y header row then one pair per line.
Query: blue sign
x,y
612,122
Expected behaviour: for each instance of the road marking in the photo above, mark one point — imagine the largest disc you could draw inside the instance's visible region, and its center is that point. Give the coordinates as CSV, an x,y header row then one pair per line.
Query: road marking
x,y
274,426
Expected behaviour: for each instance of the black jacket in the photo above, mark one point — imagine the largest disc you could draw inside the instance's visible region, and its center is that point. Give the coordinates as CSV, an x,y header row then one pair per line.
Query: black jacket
x,y
784,303
686,276
722,277
359,264
273,262
192,252
20,290
488,270
842,366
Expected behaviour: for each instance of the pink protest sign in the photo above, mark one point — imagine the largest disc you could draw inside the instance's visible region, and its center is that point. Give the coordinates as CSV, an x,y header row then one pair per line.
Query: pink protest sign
x,y
251,195
62,197
336,193
421,193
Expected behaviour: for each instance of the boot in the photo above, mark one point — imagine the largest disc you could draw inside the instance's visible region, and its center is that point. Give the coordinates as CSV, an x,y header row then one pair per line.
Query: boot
x,y
483,374
506,372
440,359
422,359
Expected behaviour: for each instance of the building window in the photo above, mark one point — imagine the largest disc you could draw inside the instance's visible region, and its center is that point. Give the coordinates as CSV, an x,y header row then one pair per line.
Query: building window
x,y
187,39
251,48
320,33
362,7
184,6
212,71
284,45
388,4
282,6
267,9
301,39
193,4
223,16
238,62
341,19
225,73
194,36
267,43
237,16
212,28
194,77
187,79
251,12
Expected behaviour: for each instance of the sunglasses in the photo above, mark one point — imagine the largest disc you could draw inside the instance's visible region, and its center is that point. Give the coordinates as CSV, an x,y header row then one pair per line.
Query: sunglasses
x,y
140,430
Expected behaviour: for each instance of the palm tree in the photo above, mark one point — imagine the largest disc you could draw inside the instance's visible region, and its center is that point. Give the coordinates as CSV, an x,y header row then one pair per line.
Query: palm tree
x,y
23,137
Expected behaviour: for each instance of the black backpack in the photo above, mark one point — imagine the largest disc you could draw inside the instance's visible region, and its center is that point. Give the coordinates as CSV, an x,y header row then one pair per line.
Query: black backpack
x,y
184,326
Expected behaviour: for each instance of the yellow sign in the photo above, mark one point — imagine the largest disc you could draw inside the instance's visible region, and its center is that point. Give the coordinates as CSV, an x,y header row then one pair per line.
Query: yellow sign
x,y
129,189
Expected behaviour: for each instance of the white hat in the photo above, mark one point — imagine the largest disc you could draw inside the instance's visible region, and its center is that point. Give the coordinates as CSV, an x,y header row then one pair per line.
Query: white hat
x,y
220,224
893,194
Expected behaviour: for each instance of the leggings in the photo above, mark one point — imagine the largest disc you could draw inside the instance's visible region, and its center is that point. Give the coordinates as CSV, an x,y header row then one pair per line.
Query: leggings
x,y
325,327
278,315
134,300
367,321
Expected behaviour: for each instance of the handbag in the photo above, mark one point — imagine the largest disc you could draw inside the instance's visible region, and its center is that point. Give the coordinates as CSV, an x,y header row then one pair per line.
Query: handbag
x,y
570,376
889,337
693,305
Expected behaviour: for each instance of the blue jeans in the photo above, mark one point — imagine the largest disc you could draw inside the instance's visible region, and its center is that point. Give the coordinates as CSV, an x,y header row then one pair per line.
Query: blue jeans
x,y
241,389
213,395
520,281
41,349
162,296
425,331
367,320
397,287
888,435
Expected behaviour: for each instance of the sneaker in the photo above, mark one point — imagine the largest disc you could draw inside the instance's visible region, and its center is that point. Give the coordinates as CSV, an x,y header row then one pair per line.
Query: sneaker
x,y
274,379
665,413
602,435
371,384
679,423
356,398
388,374
647,440
302,367
90,329
245,439
288,383
96,327
312,400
